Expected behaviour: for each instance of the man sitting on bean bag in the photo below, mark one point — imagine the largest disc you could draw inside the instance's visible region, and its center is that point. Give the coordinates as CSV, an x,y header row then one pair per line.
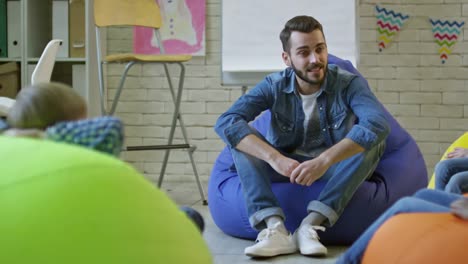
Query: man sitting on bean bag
x,y
325,124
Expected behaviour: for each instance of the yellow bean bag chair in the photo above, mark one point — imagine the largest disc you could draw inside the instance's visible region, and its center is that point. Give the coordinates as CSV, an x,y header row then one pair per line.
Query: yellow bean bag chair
x,y
66,204
419,238
461,142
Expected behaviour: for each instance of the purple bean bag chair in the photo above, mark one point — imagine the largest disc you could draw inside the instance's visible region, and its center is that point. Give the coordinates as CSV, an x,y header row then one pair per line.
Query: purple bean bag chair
x,y
401,172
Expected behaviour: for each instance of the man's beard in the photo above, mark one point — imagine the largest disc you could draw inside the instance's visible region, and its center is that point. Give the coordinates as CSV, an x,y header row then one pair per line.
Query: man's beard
x,y
304,77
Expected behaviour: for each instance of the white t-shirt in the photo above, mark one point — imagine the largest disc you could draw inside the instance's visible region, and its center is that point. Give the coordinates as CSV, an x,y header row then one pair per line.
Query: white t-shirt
x,y
309,105
312,145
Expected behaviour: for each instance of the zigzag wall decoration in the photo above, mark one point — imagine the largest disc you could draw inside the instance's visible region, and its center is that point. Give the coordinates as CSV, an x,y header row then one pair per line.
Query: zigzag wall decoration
x,y
446,34
389,23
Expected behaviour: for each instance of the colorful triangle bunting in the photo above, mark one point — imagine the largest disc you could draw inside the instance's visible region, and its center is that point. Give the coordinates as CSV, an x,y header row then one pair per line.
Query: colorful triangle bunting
x,y
446,34
389,23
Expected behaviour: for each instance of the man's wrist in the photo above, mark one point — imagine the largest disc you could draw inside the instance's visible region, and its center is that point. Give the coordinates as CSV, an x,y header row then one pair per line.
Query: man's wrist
x,y
272,156
325,158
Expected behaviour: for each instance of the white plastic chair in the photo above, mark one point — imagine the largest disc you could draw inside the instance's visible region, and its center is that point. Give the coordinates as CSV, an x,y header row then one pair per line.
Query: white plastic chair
x,y
41,73
45,65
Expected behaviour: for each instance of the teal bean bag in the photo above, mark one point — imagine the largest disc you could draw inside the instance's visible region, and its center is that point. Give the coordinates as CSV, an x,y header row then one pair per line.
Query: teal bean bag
x,y
65,204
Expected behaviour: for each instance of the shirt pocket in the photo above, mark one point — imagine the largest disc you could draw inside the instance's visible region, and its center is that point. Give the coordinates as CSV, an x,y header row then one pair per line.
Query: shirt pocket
x,y
337,121
283,123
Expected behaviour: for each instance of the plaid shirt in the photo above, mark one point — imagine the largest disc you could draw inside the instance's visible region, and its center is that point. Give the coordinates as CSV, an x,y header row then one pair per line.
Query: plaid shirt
x,y
103,134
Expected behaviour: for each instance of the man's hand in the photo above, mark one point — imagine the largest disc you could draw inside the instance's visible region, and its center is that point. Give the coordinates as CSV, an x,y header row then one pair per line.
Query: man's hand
x,y
283,165
256,147
458,153
460,208
309,171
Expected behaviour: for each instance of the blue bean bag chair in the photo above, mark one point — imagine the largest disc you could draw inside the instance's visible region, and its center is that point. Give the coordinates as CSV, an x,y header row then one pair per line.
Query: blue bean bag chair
x,y
401,172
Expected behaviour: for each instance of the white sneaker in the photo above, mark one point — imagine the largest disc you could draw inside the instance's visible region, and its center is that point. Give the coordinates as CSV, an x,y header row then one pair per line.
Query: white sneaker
x,y
272,242
308,240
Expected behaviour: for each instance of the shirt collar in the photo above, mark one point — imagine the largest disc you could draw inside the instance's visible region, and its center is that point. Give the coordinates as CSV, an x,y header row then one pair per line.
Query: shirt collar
x,y
292,87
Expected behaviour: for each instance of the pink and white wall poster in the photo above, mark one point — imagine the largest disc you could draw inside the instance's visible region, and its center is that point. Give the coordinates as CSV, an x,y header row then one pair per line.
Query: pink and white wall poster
x,y
183,29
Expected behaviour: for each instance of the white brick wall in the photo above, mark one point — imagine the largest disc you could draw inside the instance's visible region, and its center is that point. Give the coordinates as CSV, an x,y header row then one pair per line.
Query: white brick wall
x,y
427,98
431,98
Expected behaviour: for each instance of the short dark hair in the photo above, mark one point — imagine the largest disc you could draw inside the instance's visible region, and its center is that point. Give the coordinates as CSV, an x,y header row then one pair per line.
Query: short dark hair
x,y
304,24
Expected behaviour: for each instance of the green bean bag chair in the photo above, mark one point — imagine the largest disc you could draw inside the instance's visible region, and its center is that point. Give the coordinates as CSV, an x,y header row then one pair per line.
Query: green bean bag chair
x,y
65,204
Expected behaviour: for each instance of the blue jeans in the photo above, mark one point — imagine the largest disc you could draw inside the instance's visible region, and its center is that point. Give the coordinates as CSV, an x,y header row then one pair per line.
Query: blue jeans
x,y
343,178
425,200
451,175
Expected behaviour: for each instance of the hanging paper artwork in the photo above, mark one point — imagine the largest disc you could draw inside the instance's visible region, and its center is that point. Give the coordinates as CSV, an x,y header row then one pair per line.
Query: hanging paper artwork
x,y
389,23
183,29
446,34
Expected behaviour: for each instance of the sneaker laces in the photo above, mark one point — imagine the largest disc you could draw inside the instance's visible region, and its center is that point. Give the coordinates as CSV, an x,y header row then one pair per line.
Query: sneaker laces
x,y
267,233
310,231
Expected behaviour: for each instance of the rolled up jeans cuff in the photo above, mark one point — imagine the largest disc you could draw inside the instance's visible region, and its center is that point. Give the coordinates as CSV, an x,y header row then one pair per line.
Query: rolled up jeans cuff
x,y
257,220
325,210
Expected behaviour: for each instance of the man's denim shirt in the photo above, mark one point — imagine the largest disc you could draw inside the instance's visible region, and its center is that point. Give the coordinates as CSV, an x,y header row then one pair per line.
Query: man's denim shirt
x,y
347,108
